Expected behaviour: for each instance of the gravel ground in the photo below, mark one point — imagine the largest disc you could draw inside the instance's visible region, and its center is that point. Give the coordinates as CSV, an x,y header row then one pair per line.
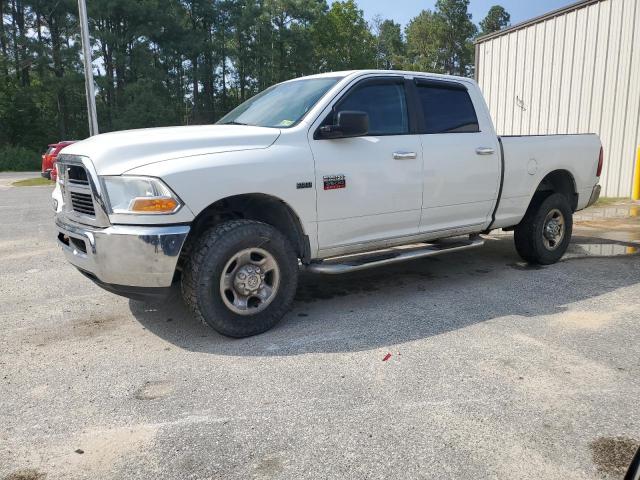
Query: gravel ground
x,y
496,369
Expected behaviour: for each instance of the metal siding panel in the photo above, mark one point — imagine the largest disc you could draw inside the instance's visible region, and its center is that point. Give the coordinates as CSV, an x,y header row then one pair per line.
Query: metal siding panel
x,y
539,80
537,69
520,74
635,91
495,79
489,75
527,87
476,57
631,51
484,71
486,64
513,82
556,75
478,48
577,72
481,72
566,83
622,90
541,18
510,92
491,78
502,83
611,98
600,70
577,75
547,77
479,63
619,113
588,73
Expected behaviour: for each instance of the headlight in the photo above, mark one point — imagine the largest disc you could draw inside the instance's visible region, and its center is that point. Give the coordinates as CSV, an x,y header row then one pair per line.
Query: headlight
x,y
140,195
59,172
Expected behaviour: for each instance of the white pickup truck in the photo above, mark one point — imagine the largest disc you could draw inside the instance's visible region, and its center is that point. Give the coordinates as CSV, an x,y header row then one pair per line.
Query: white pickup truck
x,y
329,173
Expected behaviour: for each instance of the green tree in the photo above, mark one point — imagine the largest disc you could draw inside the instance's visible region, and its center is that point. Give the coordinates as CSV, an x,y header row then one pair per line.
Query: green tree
x,y
390,46
441,40
456,31
423,45
290,30
343,40
497,19
146,103
166,62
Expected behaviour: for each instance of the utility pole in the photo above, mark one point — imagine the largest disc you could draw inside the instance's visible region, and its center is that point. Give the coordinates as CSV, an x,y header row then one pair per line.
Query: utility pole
x,y
88,69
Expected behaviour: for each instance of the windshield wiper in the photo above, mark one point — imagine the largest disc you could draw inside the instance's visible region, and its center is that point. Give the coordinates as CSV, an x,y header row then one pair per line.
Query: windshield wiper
x,y
233,122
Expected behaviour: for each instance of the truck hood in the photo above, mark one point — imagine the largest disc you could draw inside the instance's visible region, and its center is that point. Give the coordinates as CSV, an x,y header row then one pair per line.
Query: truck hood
x,y
118,152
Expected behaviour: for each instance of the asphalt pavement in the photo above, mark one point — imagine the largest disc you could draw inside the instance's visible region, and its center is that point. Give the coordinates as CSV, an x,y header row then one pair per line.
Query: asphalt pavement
x,y
471,365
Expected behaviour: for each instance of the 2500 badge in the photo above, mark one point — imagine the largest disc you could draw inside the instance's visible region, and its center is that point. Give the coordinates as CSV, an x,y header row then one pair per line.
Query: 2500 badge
x,y
333,182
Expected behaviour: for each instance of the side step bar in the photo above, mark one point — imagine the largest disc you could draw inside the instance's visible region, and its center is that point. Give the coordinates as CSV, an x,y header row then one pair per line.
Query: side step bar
x,y
362,261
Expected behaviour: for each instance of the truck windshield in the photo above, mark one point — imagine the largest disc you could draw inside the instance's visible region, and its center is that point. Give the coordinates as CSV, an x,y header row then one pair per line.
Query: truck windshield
x,y
282,105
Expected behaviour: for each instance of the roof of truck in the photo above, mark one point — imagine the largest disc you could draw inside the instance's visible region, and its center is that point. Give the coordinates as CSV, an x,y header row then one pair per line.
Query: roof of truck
x,y
347,73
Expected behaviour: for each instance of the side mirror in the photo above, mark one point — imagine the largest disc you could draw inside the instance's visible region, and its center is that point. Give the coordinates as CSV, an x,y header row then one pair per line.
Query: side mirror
x,y
348,124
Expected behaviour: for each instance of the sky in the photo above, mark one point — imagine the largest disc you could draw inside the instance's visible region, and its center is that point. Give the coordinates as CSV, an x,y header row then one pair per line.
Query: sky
x,y
402,11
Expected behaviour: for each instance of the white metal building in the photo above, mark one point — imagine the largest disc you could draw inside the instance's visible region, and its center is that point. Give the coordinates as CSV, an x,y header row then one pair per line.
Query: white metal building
x,y
573,70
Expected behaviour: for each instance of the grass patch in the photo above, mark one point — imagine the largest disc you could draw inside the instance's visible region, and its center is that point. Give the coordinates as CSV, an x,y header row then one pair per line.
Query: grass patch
x,y
33,182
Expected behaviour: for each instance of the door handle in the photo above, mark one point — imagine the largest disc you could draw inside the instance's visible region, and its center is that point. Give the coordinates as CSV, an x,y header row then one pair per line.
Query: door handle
x,y
405,155
485,151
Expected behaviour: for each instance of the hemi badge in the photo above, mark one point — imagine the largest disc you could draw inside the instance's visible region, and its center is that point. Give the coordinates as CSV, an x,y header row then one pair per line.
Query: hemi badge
x,y
333,182
304,185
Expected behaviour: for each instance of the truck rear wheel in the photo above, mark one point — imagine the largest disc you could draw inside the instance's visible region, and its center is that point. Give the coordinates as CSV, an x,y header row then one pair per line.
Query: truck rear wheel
x,y
543,235
241,278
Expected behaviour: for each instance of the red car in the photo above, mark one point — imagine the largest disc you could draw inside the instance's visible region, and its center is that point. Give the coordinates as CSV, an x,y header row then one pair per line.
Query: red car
x,y
49,158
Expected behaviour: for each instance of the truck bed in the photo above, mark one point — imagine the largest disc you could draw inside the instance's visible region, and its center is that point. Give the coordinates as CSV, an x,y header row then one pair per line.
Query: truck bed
x,y
528,159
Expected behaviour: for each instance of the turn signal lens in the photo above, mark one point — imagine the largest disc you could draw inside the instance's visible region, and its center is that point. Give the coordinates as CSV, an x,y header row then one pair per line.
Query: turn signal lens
x,y
153,205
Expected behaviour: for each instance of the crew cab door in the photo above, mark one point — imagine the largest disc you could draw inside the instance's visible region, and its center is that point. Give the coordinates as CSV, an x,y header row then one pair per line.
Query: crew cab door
x,y
461,157
369,188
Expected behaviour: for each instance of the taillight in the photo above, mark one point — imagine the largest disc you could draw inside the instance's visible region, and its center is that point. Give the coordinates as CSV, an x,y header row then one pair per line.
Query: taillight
x,y
600,163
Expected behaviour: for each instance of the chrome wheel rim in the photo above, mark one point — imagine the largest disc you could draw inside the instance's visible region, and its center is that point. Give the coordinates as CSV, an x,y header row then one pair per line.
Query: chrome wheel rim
x,y
249,281
553,229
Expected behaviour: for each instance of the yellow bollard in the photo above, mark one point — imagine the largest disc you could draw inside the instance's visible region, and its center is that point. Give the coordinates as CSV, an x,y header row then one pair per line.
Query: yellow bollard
x,y
636,178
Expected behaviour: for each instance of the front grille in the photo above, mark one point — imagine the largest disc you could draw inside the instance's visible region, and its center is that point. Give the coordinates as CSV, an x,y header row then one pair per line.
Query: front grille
x,y
80,191
77,189
82,203
77,175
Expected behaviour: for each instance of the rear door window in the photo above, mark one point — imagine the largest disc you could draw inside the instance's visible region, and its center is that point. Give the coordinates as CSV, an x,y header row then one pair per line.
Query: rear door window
x,y
447,109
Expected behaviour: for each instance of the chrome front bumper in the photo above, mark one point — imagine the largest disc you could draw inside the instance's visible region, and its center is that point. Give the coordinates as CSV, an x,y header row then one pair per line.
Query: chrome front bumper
x,y
123,255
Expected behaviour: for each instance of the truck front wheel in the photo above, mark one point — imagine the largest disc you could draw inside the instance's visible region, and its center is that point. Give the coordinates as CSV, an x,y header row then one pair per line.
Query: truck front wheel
x,y
543,235
241,277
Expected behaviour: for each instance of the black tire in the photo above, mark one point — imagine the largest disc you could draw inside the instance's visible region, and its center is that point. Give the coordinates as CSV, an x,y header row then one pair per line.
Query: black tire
x,y
529,237
203,270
